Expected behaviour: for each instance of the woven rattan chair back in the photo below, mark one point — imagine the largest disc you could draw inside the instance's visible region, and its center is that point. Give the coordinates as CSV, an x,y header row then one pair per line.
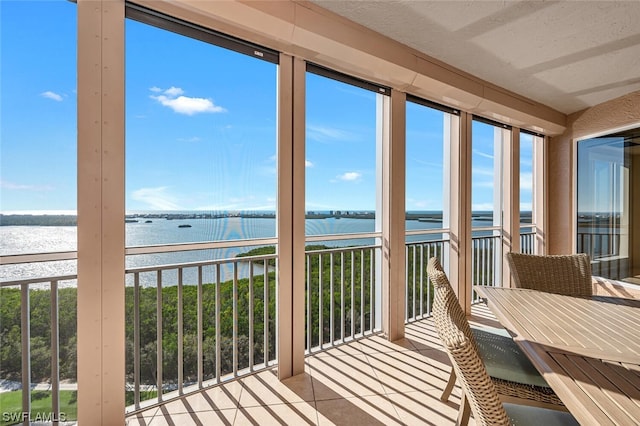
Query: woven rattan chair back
x,y
562,274
476,384
443,292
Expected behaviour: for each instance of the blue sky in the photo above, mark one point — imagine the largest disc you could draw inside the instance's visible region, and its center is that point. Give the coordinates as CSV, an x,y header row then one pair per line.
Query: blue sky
x,y
200,126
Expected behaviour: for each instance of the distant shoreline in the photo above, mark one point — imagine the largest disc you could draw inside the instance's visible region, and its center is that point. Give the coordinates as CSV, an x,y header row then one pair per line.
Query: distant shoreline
x,y
71,219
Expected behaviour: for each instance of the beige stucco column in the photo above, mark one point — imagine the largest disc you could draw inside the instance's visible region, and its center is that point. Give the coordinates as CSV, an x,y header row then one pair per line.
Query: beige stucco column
x,y
458,200
510,200
393,214
101,335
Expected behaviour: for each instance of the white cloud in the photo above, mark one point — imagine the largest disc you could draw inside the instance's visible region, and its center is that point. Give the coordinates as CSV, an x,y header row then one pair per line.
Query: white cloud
x,y
51,95
326,134
174,91
483,184
249,202
482,207
481,171
526,181
156,198
189,106
526,207
172,98
482,154
350,176
11,186
311,205
191,139
308,163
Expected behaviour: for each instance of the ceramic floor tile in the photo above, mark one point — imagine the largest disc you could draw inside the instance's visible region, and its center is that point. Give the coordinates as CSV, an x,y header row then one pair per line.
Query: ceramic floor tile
x,y
218,417
379,343
351,348
142,418
425,408
300,413
409,371
365,411
367,382
423,335
343,377
216,398
264,388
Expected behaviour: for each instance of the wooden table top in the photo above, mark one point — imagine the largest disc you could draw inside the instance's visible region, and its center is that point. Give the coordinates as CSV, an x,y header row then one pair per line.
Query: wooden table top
x,y
588,350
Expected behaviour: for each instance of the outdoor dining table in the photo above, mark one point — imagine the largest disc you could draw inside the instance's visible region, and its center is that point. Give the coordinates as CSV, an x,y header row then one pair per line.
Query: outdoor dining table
x,y
587,349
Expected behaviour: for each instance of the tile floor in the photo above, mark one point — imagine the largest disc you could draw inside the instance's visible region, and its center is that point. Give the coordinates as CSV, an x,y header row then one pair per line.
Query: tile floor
x,y
368,382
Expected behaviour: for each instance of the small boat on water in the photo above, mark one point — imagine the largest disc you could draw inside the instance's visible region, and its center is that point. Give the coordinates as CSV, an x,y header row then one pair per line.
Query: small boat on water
x,y
184,226
148,221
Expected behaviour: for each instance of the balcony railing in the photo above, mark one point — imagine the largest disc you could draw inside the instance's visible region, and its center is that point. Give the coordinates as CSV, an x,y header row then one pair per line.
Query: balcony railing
x,y
193,334
196,324
419,289
599,244
528,241
341,288
46,338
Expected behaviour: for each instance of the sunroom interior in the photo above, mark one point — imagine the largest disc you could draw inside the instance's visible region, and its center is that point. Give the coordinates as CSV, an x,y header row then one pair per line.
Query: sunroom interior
x,y
559,81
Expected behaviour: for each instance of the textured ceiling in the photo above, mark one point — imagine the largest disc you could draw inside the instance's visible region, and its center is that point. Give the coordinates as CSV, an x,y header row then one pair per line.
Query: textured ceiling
x,y
568,55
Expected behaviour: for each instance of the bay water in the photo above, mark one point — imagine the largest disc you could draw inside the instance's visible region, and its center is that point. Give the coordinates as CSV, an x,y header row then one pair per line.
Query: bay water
x,y
159,231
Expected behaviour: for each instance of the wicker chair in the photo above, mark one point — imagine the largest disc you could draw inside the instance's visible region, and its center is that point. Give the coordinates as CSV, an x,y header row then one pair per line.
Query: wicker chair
x,y
514,377
562,274
478,389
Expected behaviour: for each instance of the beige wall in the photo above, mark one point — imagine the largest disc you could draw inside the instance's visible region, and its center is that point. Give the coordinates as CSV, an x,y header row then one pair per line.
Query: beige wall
x,y
616,114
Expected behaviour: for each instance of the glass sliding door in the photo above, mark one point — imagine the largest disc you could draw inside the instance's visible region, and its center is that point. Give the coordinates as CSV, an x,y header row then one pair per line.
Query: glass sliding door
x,y
427,197
488,140
527,224
608,197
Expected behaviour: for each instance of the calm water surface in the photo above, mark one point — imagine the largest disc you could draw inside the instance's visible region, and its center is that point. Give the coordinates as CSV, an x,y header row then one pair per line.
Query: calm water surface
x,y
46,239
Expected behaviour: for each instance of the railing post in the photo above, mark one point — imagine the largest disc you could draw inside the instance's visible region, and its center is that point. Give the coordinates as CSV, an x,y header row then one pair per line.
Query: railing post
x,y
25,331
55,352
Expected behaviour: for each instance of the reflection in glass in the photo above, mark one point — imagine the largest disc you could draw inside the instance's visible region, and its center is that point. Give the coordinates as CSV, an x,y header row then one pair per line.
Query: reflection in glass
x,y
608,222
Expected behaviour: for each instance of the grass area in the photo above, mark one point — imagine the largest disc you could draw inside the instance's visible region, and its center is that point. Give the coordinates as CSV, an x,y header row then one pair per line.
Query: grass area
x,y
11,406
144,395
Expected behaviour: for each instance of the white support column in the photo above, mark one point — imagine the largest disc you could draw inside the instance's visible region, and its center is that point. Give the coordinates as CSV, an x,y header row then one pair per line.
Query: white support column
x,y
299,244
511,199
101,211
393,213
291,216
540,190
460,250
284,305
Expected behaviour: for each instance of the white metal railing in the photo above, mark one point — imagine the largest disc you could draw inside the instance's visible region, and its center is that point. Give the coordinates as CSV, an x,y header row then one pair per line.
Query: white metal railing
x,y
528,242
486,260
419,289
599,244
215,299
342,304
341,288
24,286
